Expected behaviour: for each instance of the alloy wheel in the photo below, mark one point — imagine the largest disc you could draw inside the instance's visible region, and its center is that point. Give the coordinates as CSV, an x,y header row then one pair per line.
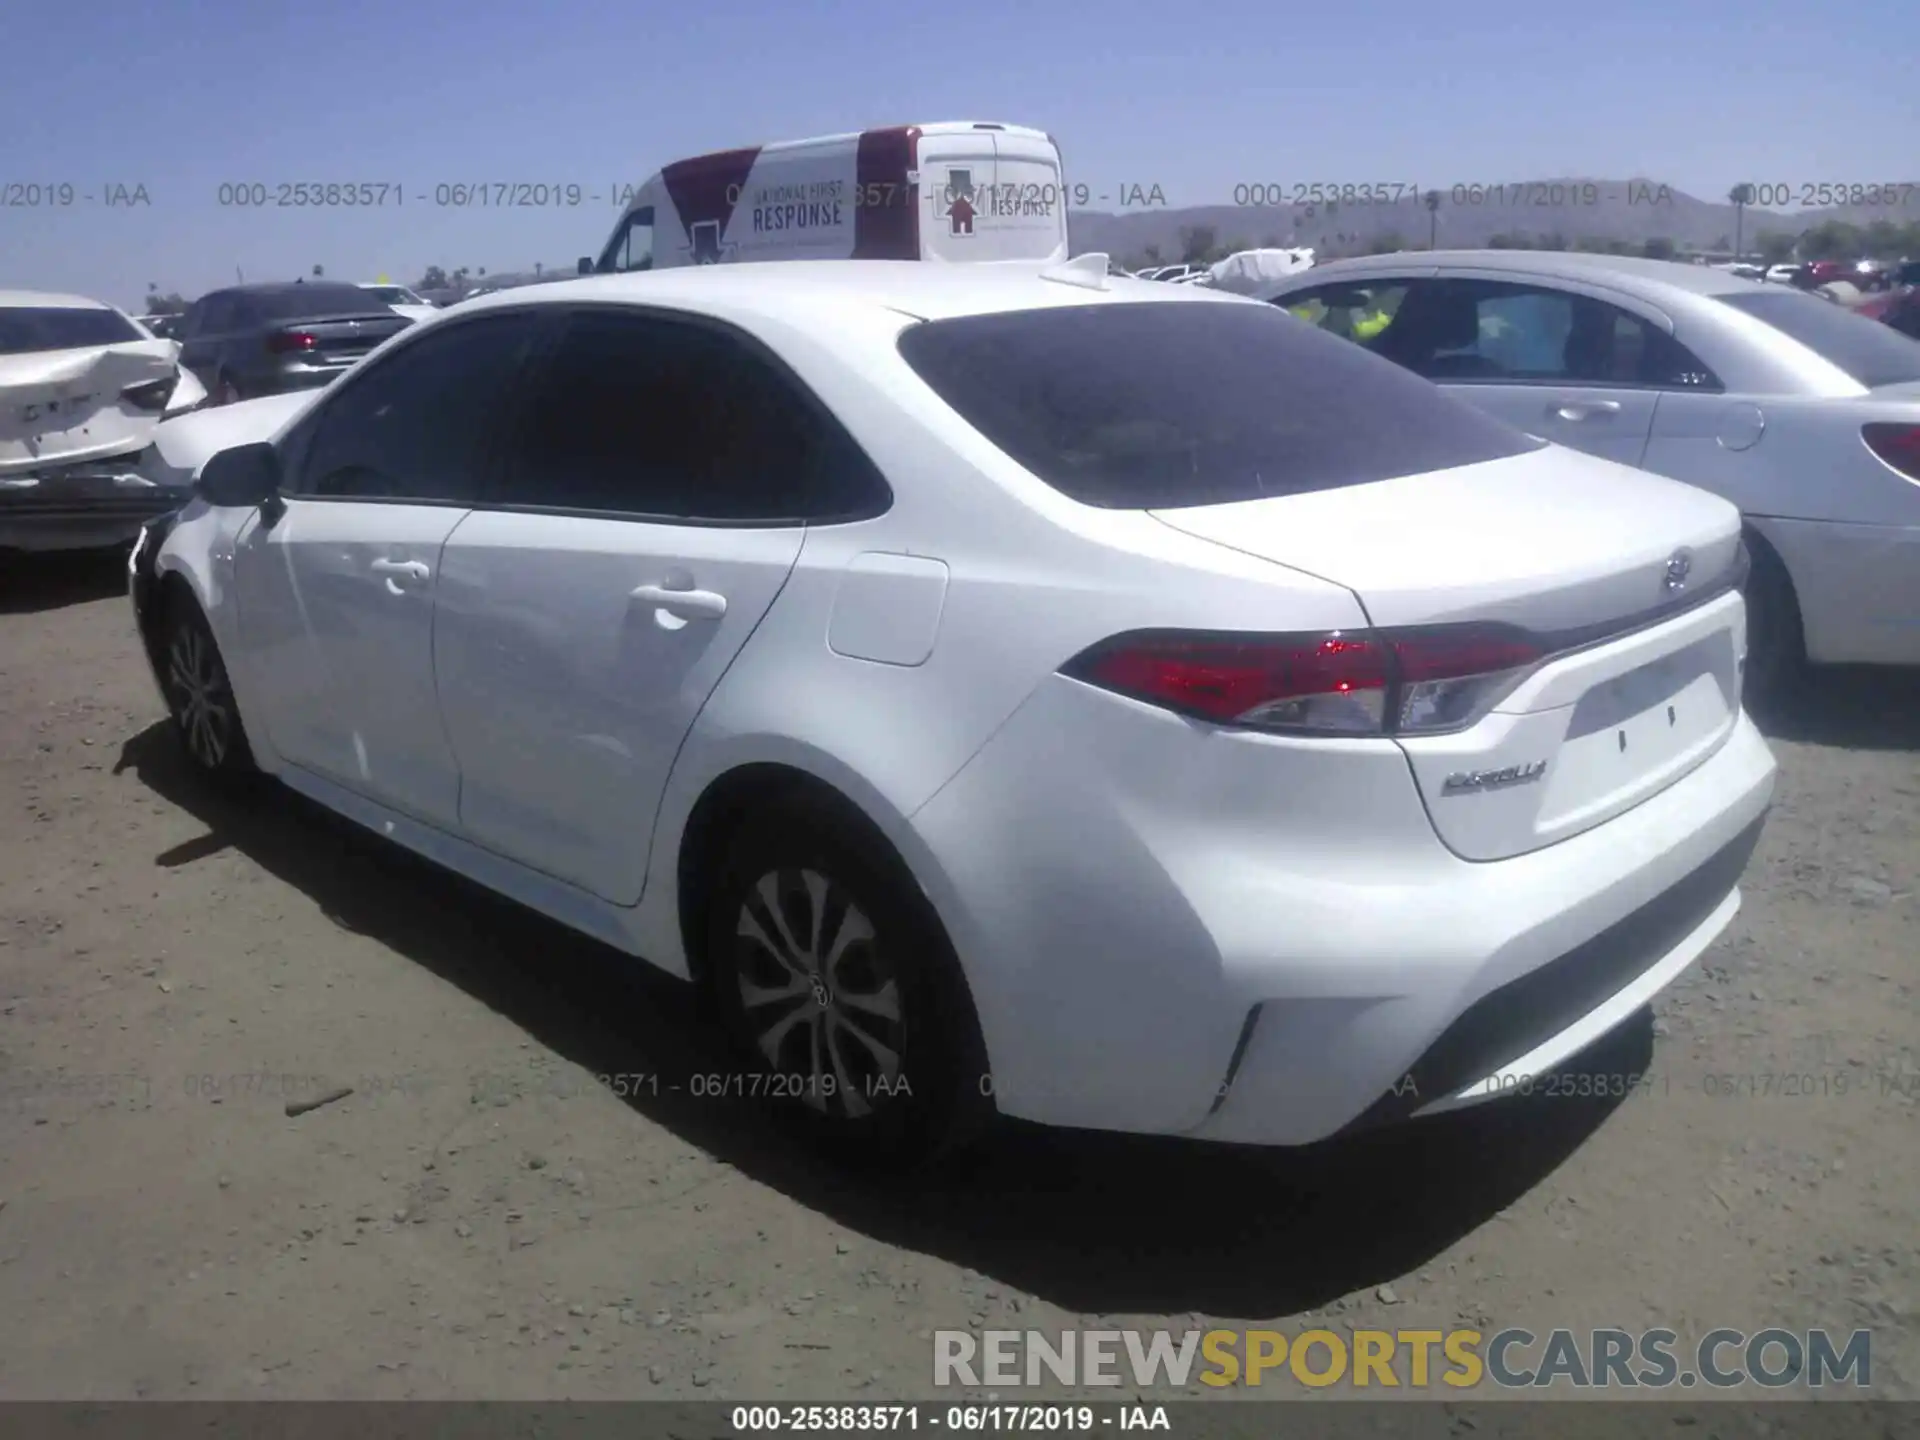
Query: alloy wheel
x,y
821,1000
202,701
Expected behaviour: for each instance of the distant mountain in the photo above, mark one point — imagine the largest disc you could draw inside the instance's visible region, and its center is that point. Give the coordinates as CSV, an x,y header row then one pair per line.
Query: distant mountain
x,y
1634,210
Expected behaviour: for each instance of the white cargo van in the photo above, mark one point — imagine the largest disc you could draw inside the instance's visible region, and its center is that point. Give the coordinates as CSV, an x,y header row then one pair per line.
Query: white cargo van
x,y
963,190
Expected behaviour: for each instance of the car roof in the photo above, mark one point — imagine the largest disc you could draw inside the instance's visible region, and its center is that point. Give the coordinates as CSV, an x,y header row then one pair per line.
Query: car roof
x,y
278,287
1654,279
48,300
919,289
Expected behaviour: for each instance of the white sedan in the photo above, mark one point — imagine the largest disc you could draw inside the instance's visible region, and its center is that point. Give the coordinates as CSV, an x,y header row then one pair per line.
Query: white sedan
x,y
83,387
1114,705
1805,415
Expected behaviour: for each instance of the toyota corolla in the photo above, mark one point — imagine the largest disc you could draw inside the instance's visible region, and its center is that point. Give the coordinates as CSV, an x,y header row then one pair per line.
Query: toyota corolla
x,y
1107,703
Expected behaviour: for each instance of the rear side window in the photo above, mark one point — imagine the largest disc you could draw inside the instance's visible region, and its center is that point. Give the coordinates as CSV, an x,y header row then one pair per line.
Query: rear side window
x,y
1872,353
1157,405
28,329
647,417
303,301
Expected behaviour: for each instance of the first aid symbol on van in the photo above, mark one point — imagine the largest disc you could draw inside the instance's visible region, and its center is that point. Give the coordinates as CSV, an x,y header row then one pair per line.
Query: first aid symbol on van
x,y
960,211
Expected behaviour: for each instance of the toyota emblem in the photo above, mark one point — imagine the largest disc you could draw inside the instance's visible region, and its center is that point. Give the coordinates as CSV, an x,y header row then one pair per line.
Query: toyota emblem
x,y
1679,566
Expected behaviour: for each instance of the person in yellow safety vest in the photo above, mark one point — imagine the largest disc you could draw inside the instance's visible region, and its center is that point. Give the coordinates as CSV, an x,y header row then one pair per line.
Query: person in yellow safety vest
x,y
1369,324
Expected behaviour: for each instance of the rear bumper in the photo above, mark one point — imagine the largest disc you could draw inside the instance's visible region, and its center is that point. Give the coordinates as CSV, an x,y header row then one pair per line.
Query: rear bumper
x,y
1189,953
1858,587
98,504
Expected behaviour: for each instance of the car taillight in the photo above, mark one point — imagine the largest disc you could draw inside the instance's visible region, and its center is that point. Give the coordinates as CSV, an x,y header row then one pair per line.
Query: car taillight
x,y
1365,682
290,340
153,394
1897,445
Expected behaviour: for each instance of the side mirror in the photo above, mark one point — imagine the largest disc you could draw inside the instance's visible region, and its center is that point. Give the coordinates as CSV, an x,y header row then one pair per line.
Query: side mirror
x,y
586,265
242,477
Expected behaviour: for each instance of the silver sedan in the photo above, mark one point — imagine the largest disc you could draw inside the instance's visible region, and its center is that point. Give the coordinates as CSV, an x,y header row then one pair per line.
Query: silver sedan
x,y
1801,413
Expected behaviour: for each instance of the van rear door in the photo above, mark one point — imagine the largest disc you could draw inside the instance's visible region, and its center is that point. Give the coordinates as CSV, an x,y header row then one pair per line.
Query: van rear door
x,y
1028,220
959,176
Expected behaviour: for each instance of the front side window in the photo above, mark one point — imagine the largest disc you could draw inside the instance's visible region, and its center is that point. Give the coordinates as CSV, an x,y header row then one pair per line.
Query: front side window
x,y
1453,330
640,416
1360,313
632,247
412,425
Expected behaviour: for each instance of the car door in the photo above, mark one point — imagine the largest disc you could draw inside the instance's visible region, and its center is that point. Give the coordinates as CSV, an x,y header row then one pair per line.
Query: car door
x,y
1555,360
336,586
647,513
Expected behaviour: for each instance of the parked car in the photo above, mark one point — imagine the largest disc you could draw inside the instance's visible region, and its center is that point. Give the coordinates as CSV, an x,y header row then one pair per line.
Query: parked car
x,y
1898,308
161,327
252,340
399,299
1804,413
983,717
82,388
1785,274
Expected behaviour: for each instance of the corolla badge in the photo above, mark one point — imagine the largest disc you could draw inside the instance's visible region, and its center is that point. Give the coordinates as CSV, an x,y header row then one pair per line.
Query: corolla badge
x,y
1463,782
1679,567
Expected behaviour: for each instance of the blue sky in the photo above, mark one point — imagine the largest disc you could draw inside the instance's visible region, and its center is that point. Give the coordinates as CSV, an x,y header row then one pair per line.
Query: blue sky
x,y
182,96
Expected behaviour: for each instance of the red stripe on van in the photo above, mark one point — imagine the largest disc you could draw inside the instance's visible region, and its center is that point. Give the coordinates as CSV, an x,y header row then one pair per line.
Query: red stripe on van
x,y
704,190
889,230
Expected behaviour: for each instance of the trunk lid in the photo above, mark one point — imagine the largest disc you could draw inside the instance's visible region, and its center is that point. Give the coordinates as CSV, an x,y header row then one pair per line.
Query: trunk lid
x,y
1641,685
62,407
340,339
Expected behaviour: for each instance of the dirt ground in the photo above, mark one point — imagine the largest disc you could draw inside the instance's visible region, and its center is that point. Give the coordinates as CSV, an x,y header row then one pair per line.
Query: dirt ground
x,y
483,1218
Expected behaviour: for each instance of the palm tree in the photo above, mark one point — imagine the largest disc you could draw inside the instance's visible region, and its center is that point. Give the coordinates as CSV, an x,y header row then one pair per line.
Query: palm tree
x,y
1742,196
1433,219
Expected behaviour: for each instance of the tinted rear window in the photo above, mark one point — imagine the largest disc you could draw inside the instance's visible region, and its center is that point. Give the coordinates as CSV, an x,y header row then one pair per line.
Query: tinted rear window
x,y
1161,405
304,301
25,330
1872,353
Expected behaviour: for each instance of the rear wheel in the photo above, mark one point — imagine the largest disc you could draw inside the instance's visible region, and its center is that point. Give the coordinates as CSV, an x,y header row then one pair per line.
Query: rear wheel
x,y
200,694
841,993
1776,645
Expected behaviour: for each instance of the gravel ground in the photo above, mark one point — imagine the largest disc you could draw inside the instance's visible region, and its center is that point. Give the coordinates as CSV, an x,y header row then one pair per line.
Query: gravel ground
x,y
482,1217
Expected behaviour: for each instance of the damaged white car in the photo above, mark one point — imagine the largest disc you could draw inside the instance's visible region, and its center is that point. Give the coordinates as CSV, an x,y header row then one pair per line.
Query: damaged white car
x,y
82,388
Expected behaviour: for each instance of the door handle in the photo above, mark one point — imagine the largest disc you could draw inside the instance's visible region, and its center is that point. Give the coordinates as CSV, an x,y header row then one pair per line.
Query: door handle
x,y
697,602
412,569
393,569
1584,409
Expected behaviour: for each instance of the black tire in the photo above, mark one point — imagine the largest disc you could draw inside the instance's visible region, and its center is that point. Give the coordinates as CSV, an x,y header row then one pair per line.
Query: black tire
x,y
1776,643
823,1069
199,694
225,391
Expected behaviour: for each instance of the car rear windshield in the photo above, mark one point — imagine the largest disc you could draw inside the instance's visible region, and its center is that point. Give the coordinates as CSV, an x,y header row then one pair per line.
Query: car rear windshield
x,y
28,329
1158,405
1872,353
310,301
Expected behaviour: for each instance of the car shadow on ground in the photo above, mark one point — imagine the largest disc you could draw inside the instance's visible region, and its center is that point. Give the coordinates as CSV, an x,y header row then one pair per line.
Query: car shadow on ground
x,y
1852,707
1097,1224
33,581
